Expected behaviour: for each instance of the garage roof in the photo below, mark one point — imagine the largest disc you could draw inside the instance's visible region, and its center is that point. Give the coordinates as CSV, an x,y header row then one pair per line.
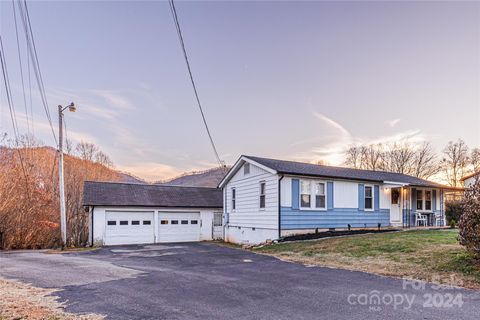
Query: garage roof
x,y
150,195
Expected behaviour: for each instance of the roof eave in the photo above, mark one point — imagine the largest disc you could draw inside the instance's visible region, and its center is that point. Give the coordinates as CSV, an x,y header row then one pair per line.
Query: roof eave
x,y
237,166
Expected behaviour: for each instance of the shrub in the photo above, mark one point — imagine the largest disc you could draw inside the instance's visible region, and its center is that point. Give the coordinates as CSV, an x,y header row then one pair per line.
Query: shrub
x,y
453,211
469,223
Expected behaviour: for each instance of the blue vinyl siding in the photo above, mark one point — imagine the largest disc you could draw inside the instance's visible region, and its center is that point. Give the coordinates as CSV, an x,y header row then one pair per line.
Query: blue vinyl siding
x,y
361,197
335,218
434,200
330,204
295,193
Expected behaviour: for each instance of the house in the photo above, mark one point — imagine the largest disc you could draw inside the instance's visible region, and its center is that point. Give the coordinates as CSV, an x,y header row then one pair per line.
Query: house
x,y
469,180
123,213
266,199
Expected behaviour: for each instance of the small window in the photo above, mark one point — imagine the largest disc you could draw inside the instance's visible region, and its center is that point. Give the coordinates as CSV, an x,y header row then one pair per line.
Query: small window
x,y
419,199
368,198
320,201
246,168
147,222
193,221
305,194
428,200
184,221
174,222
233,198
164,222
112,223
217,220
124,223
135,223
262,195
395,196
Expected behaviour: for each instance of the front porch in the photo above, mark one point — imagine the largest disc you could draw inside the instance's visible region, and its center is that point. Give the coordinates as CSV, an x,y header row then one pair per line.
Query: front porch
x,y
415,206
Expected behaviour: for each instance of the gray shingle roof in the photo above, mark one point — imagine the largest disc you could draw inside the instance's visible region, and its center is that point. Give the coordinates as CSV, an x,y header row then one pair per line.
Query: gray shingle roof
x,y
308,169
149,195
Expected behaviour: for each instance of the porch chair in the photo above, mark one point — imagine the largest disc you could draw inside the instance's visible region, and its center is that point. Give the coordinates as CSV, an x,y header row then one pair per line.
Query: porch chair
x,y
420,218
439,219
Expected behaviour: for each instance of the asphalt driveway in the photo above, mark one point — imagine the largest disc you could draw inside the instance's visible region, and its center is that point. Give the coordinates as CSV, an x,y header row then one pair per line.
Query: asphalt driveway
x,y
208,281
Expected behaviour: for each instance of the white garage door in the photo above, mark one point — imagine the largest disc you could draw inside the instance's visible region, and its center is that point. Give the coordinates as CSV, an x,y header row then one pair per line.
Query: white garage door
x,y
179,227
129,227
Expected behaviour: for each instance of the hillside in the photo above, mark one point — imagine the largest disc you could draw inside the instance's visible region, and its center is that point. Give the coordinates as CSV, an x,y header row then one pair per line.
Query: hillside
x,y
48,155
207,178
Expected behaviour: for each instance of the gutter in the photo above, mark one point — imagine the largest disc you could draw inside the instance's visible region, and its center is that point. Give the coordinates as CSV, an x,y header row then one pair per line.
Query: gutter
x,y
279,207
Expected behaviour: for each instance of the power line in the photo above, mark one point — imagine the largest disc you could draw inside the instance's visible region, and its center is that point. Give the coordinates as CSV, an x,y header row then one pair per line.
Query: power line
x,y
182,44
35,63
20,63
8,91
11,107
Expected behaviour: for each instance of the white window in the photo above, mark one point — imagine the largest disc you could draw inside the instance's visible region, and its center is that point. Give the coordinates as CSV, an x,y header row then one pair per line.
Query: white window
x,y
428,200
320,199
369,198
424,200
305,194
246,168
233,199
262,195
419,199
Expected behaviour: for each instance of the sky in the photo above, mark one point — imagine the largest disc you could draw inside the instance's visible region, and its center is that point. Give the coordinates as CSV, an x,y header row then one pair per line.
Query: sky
x,y
290,80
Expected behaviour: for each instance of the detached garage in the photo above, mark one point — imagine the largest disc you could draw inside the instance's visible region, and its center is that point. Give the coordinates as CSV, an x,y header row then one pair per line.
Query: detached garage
x,y
123,213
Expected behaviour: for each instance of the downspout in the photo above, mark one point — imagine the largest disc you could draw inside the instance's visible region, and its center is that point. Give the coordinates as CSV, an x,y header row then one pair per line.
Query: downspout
x,y
91,242
279,207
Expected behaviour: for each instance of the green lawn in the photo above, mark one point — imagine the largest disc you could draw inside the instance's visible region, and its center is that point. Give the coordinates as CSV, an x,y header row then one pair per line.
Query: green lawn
x,y
431,255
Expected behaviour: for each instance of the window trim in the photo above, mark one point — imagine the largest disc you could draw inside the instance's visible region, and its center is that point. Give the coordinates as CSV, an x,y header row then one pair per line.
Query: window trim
x,y
365,197
234,199
264,183
424,200
300,194
313,199
324,194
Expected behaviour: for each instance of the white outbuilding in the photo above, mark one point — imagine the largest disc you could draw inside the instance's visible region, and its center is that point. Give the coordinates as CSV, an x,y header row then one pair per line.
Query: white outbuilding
x,y
123,213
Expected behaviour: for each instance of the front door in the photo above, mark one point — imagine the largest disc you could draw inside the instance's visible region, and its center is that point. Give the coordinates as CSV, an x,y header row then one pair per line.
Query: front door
x,y
395,209
217,226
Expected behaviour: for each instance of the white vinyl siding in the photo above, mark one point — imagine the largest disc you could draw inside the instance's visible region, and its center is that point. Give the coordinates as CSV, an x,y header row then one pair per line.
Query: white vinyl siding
x,y
345,194
286,192
248,212
385,198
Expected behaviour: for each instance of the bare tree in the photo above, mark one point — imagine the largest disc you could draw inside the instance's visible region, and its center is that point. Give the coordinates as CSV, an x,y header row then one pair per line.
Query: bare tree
x,y
475,159
400,157
353,157
29,212
455,161
425,163
86,150
68,148
103,159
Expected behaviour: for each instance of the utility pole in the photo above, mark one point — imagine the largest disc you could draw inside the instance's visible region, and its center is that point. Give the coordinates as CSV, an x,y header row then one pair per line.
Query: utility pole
x,y
63,215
